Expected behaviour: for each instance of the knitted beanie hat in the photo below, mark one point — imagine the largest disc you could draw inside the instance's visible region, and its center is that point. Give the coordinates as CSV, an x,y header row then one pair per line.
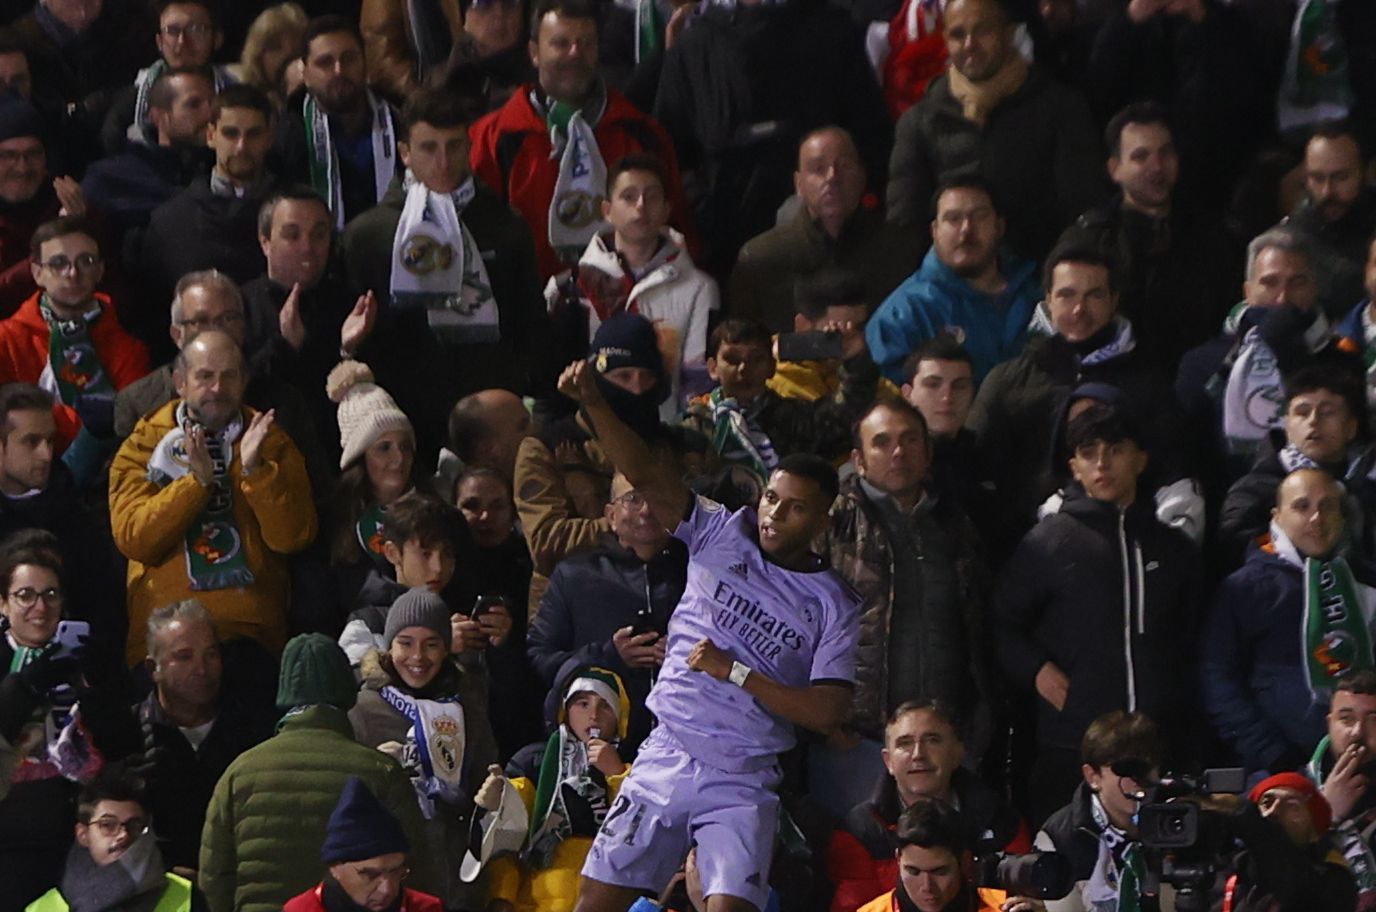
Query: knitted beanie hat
x,y
315,670
418,607
366,411
1319,810
18,118
361,827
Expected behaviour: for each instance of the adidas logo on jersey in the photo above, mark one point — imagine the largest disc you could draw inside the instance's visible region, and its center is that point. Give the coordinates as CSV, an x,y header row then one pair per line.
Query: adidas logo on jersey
x,y
740,569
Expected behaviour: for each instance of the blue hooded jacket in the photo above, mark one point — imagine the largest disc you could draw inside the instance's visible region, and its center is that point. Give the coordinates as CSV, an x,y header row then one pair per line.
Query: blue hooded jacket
x,y
934,299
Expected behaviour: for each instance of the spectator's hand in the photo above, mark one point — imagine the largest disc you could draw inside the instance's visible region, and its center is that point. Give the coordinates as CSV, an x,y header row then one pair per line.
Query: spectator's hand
x,y
1053,685
852,337
1347,783
1192,10
70,196
394,749
645,650
468,634
252,441
677,23
1022,904
578,384
358,325
566,453
603,755
489,796
289,322
705,656
198,456
692,881
495,624
1140,11
49,671
293,77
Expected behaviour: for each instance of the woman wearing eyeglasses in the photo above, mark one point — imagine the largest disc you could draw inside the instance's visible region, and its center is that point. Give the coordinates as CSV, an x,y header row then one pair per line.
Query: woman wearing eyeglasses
x,y
40,674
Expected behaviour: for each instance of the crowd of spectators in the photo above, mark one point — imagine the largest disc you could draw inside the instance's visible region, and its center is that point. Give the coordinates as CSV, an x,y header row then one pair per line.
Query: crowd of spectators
x,y
729,455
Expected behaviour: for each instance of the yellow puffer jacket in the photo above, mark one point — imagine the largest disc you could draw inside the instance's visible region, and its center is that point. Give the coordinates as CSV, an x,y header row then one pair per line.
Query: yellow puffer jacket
x,y
555,889
273,511
811,380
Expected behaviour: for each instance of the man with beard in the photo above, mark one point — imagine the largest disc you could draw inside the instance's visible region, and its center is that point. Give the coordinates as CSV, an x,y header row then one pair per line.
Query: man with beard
x,y
210,224
1342,766
547,150
166,155
336,133
1336,216
964,288
219,518
187,37
995,115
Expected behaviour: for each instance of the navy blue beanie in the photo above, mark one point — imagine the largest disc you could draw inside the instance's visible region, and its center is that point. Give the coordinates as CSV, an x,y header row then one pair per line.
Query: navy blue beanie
x,y
361,827
629,340
18,118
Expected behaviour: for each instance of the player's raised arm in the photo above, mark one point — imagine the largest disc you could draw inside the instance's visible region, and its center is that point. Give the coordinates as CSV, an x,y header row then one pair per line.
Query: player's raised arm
x,y
658,479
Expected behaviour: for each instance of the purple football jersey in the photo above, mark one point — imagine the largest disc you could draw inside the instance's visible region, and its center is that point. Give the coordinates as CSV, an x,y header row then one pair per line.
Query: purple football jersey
x,y
797,628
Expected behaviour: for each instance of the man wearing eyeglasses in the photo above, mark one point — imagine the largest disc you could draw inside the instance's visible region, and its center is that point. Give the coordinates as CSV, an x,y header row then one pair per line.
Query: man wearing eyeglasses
x,y
187,36
115,862
611,606
67,339
365,850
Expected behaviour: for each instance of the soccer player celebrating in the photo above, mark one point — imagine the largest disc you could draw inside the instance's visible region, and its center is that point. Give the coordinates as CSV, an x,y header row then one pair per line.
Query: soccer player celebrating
x,y
762,640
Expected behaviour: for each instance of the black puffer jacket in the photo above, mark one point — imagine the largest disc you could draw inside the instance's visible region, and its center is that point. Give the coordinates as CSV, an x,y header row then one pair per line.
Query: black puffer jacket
x,y
1112,597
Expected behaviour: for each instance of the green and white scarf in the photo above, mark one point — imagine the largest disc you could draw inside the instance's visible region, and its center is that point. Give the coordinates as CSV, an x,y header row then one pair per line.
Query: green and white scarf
x,y
434,748
324,157
215,557
1120,869
1336,629
575,210
566,777
1316,86
369,532
143,85
1350,834
73,367
736,441
1253,400
436,265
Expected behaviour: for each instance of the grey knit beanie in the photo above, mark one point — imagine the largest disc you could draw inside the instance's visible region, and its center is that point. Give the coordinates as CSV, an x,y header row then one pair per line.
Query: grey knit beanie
x,y
418,607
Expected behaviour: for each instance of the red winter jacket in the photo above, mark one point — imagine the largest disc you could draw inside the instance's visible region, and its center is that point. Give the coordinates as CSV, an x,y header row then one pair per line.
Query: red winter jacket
x,y
411,901
24,354
511,154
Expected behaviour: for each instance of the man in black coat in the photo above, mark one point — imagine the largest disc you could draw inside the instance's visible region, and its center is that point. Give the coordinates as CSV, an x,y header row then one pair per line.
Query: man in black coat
x,y
191,726
1095,609
447,334
738,93
211,224
993,115
611,606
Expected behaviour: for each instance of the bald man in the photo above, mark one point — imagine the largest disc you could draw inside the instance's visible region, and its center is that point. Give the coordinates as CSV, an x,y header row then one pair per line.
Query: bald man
x,y
486,429
829,228
1286,627
207,499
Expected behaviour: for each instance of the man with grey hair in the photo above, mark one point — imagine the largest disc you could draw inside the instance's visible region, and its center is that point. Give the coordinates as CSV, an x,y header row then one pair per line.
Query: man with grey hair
x,y
1232,388
193,724
209,299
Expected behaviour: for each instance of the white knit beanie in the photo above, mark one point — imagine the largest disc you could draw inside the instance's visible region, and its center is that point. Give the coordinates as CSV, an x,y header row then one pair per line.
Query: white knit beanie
x,y
366,411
